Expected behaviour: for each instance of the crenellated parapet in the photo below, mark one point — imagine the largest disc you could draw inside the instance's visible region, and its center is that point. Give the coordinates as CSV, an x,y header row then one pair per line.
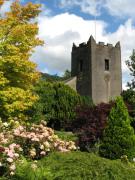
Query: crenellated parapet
x,y
91,42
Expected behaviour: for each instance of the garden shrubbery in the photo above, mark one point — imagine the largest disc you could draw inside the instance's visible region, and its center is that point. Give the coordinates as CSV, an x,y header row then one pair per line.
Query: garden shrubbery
x,y
89,123
31,141
118,136
56,102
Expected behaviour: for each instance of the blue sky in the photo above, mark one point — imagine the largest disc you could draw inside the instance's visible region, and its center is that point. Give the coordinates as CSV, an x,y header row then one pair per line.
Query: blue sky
x,y
63,22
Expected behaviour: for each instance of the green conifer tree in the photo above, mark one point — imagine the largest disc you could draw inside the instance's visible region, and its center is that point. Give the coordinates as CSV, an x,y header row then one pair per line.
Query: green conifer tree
x,y
118,137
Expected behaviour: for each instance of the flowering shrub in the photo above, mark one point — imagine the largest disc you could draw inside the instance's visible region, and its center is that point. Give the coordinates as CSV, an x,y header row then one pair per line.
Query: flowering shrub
x,y
31,141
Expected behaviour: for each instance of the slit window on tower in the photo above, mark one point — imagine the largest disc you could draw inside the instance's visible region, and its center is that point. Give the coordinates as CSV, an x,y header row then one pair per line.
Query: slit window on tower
x,y
106,65
81,65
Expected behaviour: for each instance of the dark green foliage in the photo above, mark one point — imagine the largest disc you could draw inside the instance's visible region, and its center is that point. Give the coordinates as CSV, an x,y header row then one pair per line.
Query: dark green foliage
x,y
129,97
118,137
56,102
79,166
131,65
87,100
42,109
74,166
66,75
65,101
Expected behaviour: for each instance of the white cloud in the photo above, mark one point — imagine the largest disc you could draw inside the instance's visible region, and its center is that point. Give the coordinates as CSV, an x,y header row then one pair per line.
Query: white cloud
x,y
66,3
87,6
120,8
59,33
45,70
125,34
91,7
45,10
124,87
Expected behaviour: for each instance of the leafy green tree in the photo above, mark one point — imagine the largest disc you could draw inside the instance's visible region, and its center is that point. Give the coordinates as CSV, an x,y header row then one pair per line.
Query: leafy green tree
x,y
66,75
43,108
131,65
18,37
56,102
129,96
118,136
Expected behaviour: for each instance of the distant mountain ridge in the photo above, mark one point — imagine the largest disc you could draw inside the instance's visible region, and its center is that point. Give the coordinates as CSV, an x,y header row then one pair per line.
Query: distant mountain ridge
x,y
52,77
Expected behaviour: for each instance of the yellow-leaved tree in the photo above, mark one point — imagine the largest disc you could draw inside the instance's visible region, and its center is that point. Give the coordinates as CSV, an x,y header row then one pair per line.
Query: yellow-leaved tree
x,y
18,37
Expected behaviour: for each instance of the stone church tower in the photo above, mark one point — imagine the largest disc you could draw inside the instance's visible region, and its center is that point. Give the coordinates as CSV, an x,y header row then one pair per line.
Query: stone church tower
x,y
96,70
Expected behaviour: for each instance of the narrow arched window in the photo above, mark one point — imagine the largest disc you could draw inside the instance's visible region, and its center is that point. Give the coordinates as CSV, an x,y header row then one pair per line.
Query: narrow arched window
x,y
81,65
106,65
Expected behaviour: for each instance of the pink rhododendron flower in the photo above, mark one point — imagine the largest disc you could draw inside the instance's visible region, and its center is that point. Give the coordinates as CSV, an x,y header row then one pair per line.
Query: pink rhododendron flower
x,y
134,160
29,136
10,160
32,128
41,126
32,153
40,136
5,124
41,147
35,139
16,132
4,141
16,155
21,128
43,153
11,146
46,144
33,134
10,137
1,136
45,131
16,122
55,144
0,164
64,150
10,154
12,167
12,173
37,129
23,135
60,148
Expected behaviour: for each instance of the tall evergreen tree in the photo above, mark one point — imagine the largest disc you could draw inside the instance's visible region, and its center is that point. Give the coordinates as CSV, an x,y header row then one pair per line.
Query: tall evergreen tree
x,y
118,137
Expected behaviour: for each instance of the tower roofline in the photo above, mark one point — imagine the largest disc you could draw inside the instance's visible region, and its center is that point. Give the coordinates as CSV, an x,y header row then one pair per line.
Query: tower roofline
x,y
92,42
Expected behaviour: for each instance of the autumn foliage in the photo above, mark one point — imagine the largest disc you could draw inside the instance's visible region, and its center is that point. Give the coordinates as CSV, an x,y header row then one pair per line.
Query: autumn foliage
x,y
18,37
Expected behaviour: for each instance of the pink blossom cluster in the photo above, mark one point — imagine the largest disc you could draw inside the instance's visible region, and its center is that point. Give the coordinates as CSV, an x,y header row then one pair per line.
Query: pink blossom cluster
x,y
32,141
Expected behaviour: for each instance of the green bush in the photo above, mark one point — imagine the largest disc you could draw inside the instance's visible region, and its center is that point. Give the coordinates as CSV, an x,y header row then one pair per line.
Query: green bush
x,y
129,96
86,166
42,109
118,137
87,100
56,102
